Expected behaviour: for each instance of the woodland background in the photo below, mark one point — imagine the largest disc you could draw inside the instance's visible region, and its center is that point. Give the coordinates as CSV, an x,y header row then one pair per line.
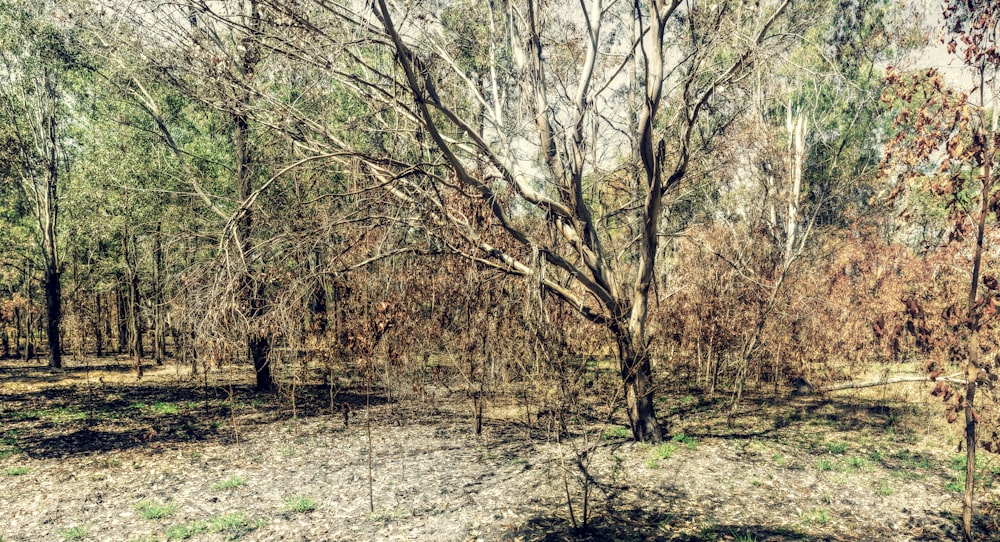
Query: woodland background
x,y
570,209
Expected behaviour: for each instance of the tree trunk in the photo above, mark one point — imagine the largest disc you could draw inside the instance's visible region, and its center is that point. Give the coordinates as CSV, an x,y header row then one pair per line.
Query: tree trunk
x,y
260,348
159,326
258,344
120,320
637,377
53,308
17,332
98,326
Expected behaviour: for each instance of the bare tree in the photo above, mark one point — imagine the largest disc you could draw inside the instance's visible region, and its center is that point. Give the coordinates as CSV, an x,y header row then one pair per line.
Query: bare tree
x,y
570,124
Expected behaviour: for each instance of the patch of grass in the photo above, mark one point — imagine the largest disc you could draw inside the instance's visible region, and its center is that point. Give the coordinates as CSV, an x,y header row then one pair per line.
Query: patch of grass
x,y
615,432
665,450
232,482
835,448
824,465
652,464
856,463
56,415
708,531
385,516
686,440
300,504
234,524
884,488
816,516
159,407
153,510
186,530
756,483
16,471
165,408
911,460
956,485
743,537
77,532
779,459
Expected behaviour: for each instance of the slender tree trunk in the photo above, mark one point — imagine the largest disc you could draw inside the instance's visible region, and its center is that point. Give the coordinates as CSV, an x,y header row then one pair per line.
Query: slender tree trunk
x,y
17,333
98,325
53,308
159,331
121,322
972,364
259,345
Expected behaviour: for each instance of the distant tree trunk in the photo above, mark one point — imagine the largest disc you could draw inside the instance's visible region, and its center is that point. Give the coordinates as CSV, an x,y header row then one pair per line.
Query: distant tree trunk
x,y
17,332
134,327
258,343
99,322
121,322
159,326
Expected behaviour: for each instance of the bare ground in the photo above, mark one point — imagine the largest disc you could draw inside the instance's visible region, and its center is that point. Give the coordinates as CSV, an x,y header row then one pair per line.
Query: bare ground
x,y
89,454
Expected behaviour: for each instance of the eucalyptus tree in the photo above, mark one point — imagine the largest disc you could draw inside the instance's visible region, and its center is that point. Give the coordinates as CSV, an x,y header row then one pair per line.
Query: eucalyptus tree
x,y
545,140
38,56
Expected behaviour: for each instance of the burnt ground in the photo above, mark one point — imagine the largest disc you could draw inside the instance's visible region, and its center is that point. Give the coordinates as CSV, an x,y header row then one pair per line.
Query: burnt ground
x,y
90,453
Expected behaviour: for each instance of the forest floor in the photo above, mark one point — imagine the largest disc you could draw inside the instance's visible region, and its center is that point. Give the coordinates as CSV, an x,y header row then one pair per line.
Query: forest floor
x,y
90,453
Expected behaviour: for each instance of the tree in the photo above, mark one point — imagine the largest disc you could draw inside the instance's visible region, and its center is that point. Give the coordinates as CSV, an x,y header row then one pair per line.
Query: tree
x,y
611,98
947,146
37,58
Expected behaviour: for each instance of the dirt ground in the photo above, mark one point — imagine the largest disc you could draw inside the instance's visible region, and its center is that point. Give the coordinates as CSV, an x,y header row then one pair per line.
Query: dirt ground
x,y
90,453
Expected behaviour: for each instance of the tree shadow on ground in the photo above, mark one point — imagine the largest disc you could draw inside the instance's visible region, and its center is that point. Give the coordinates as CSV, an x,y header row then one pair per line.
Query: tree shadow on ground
x,y
49,421
764,416
648,525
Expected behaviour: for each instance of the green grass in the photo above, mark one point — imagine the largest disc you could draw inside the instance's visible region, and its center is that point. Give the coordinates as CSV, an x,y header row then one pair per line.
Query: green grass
x,y
820,516
56,415
234,524
615,432
300,504
232,482
652,464
856,463
824,465
153,510
665,450
187,530
16,471
835,448
159,407
911,460
884,488
686,440
78,532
